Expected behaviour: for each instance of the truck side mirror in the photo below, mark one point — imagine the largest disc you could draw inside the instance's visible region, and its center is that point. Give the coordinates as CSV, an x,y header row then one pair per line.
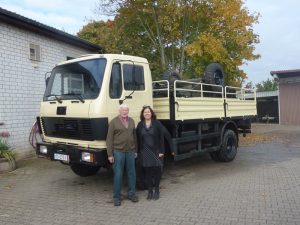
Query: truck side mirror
x,y
47,81
47,78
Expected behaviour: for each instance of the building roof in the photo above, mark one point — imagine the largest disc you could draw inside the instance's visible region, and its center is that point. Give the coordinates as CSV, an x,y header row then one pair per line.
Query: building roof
x,y
262,94
285,73
34,26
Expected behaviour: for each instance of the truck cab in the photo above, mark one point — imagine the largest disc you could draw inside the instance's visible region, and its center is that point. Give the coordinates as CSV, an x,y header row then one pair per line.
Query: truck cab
x,y
81,97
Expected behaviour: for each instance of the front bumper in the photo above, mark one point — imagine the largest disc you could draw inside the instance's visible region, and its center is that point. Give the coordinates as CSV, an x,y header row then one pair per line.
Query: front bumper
x,y
72,153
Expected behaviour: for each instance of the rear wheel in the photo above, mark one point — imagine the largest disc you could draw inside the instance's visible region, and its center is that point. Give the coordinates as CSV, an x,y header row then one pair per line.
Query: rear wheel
x,y
84,170
228,149
215,156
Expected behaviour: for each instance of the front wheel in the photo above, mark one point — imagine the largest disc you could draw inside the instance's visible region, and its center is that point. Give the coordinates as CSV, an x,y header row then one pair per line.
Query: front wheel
x,y
84,170
228,149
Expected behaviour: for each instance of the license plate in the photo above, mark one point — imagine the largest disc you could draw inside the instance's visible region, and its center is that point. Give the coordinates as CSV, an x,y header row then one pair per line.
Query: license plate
x,y
61,157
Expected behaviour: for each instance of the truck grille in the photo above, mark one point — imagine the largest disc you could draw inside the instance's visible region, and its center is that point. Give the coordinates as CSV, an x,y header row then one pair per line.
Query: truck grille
x,y
75,128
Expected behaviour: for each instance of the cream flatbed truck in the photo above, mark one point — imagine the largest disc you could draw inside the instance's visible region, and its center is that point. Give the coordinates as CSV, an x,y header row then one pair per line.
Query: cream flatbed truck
x,y
83,95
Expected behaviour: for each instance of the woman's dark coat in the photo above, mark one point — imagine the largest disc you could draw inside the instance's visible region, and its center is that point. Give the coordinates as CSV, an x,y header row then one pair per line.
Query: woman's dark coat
x,y
158,136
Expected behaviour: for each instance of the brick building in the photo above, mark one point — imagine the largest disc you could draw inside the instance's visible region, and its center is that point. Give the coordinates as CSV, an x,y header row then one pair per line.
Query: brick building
x,y
28,50
289,95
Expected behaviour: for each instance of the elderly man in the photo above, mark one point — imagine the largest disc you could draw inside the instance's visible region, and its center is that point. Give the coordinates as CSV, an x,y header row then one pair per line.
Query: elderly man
x,y
121,151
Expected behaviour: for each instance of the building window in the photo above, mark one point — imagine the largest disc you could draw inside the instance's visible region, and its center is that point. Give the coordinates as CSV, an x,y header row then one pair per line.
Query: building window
x,y
34,52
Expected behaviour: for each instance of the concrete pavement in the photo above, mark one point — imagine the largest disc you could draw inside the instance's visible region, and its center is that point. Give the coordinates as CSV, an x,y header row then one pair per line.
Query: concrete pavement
x,y
262,186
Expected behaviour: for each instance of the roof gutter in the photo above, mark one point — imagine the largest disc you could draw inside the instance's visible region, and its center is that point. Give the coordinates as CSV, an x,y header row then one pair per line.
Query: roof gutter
x,y
34,26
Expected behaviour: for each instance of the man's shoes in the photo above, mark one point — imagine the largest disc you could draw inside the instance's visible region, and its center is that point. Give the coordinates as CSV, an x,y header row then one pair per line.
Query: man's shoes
x,y
150,195
156,195
117,202
133,198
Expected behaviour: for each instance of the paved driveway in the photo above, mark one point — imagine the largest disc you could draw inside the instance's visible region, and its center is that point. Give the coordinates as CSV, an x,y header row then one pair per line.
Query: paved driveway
x,y
262,186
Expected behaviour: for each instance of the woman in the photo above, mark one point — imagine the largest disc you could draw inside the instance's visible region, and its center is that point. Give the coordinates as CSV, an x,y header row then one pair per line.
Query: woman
x,y
150,138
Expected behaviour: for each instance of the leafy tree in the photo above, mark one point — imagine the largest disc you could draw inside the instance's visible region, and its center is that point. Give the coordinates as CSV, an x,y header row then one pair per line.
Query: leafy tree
x,y
267,85
227,39
185,35
101,33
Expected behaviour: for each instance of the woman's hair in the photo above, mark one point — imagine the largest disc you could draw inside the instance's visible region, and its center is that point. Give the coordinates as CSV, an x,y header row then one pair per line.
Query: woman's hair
x,y
153,115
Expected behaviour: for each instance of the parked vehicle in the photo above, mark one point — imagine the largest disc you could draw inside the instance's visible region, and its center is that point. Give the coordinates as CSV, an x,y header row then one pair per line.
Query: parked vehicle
x,y
84,94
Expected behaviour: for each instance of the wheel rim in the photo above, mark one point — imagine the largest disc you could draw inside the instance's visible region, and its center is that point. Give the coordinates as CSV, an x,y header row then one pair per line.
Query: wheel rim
x,y
230,145
218,77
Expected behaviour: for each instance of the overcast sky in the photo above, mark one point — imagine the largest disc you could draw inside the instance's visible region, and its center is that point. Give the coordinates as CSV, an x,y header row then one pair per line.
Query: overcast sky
x,y
279,28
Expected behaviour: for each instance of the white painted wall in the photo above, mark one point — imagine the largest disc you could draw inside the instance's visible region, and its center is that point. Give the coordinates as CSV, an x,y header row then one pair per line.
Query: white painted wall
x,y
22,81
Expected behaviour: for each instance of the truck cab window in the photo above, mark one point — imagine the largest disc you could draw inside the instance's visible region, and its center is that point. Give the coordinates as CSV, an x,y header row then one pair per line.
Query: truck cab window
x,y
115,83
70,80
133,77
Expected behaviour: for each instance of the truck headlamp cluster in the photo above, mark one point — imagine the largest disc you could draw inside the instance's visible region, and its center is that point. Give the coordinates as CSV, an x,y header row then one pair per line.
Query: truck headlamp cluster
x,y
87,157
43,149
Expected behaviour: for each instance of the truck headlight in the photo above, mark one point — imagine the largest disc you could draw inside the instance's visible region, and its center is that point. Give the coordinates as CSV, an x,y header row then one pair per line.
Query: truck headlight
x,y
43,149
87,157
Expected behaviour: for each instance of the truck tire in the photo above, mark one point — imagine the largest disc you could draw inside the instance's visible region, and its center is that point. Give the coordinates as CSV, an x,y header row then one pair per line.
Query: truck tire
x,y
214,74
171,76
228,149
215,156
84,170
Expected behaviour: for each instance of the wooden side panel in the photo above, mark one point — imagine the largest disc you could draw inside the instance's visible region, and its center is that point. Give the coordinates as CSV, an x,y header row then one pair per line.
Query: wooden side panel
x,y
199,108
238,107
161,107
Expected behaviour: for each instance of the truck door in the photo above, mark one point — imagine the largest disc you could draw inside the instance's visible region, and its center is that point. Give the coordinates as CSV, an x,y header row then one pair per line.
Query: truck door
x,y
127,83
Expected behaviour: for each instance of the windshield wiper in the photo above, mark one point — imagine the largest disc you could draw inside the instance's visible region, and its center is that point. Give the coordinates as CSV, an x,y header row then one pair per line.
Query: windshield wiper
x,y
78,96
56,97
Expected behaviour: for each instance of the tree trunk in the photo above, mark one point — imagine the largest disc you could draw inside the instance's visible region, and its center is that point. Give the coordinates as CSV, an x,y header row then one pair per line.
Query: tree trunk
x,y
158,30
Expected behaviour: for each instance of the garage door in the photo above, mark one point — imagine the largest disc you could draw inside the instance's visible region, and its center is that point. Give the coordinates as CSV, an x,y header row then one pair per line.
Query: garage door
x,y
289,94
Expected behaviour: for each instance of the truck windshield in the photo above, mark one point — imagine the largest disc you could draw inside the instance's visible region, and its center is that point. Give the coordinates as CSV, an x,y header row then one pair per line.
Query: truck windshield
x,y
79,80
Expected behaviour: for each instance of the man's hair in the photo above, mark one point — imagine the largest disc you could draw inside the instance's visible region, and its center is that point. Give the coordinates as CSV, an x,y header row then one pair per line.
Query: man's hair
x,y
123,106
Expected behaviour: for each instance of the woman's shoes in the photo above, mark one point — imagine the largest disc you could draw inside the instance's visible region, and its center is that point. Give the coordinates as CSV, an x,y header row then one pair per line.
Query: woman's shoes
x,y
150,195
153,195
156,195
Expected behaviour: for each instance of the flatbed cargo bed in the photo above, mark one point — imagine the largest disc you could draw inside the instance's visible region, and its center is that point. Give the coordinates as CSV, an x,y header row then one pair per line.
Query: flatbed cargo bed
x,y
186,100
